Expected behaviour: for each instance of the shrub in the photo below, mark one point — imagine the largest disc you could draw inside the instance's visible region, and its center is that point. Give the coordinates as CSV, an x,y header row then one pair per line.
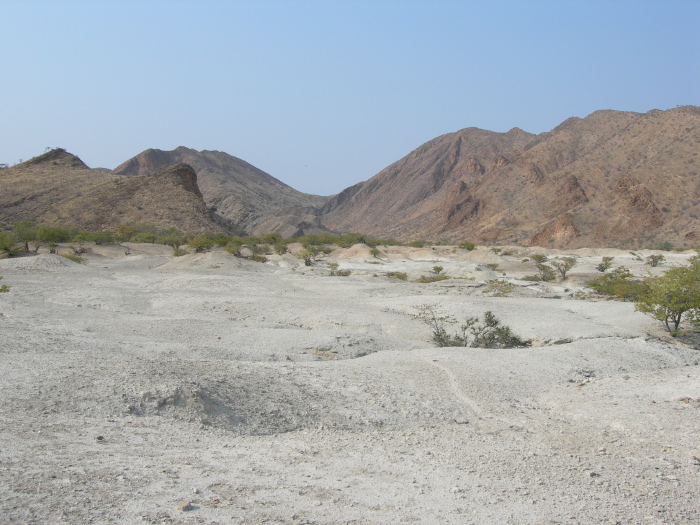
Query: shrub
x,y
125,233
416,244
538,257
281,248
431,278
173,238
402,276
492,266
75,258
234,248
343,273
488,334
619,284
8,244
544,273
655,260
437,269
4,288
665,246
563,266
466,245
102,237
258,258
496,250
145,237
499,288
673,296
333,267
605,264
374,252
200,244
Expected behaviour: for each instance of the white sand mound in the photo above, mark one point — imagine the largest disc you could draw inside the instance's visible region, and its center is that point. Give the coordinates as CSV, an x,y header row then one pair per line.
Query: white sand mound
x,y
46,262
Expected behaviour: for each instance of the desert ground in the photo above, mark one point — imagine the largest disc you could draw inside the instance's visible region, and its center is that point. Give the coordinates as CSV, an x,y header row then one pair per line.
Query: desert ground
x,y
208,389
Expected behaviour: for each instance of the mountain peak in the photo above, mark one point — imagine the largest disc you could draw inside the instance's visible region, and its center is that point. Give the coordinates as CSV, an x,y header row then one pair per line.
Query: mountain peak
x,y
57,157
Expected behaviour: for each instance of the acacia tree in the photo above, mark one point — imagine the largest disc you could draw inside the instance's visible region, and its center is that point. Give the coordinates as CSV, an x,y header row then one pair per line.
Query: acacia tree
x,y
563,265
673,297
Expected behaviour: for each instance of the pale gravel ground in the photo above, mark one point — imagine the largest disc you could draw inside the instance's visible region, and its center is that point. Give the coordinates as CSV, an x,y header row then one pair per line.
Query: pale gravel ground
x,y
282,395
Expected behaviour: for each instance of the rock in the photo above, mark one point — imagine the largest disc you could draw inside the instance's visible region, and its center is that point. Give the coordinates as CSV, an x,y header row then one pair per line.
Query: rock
x,y
185,506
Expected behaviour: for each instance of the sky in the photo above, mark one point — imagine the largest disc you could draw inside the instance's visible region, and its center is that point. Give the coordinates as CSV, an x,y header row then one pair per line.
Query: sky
x,y
325,94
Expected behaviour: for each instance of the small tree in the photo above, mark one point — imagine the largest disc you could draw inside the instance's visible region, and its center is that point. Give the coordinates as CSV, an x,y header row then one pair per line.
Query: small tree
x,y
26,232
374,252
3,287
8,244
655,260
605,264
538,257
437,269
200,244
618,283
673,297
563,266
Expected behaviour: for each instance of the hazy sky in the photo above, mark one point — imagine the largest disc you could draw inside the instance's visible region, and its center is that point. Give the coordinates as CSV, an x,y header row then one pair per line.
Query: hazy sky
x,y
325,94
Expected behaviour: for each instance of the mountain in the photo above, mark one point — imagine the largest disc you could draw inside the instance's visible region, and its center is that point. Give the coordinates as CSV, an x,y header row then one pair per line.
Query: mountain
x,y
612,178
58,188
248,197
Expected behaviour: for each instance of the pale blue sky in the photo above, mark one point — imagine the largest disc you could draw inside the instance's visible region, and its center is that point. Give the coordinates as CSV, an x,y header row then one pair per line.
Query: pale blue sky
x,y
324,94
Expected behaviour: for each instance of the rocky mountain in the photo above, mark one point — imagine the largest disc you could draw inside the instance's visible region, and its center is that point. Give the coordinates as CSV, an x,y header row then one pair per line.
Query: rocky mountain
x,y
610,179
245,195
58,188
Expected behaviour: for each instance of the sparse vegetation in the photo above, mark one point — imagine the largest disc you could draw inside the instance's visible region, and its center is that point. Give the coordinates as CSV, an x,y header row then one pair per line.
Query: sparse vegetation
x,y
672,297
374,252
437,269
619,284
75,258
605,264
4,288
655,260
466,245
489,333
431,278
492,266
563,265
538,257
402,276
498,288
544,273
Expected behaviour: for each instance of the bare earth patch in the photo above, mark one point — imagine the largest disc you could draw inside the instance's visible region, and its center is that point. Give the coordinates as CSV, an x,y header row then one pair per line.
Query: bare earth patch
x,y
210,389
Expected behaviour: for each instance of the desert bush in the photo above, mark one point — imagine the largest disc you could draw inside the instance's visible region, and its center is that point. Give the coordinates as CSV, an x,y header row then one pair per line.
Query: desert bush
x,y
544,273
258,258
374,252
655,260
664,245
416,244
272,238
437,269
538,257
200,244
281,248
489,333
563,265
4,288
402,276
466,245
431,278
173,238
124,233
605,264
53,235
499,288
8,244
145,237
75,258
234,248
619,284
496,250
492,266
672,297
343,273
179,252
26,232
102,237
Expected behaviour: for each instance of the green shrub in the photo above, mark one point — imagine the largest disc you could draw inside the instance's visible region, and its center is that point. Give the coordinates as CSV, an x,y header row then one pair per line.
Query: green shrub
x,y
437,269
75,258
374,252
8,244
200,244
618,284
102,237
466,245
492,266
431,278
496,250
605,264
673,296
665,246
258,258
281,248
563,265
402,276
544,273
416,244
145,237
655,260
487,334
343,273
4,288
538,257
499,288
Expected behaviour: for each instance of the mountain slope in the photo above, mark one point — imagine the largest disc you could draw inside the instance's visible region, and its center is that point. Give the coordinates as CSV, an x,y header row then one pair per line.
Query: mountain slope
x,y
240,192
612,178
58,188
